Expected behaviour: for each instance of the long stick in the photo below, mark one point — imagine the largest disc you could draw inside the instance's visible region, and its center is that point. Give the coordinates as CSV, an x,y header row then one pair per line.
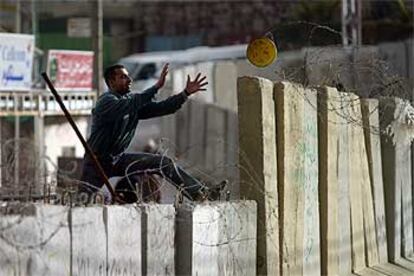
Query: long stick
x,y
84,143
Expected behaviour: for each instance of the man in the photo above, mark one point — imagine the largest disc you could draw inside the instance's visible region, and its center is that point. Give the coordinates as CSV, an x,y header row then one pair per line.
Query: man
x,y
114,120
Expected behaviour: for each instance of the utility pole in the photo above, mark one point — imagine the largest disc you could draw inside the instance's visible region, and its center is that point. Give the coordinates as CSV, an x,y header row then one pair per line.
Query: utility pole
x,y
18,17
97,45
351,23
352,31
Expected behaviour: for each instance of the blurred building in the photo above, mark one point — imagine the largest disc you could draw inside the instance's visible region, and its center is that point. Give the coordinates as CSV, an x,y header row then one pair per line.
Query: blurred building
x,y
138,25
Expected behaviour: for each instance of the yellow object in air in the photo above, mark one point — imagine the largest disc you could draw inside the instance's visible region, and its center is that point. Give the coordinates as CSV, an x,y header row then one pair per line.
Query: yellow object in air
x,y
261,52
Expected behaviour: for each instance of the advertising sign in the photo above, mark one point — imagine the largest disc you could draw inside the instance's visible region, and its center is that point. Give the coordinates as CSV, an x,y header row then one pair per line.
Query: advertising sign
x,y
79,27
16,61
70,70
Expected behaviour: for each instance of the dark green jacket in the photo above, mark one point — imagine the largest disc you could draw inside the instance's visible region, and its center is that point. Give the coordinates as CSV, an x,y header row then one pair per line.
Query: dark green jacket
x,y
115,118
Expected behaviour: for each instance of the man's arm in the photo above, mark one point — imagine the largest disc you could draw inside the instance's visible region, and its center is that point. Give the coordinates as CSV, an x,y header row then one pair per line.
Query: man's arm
x,y
111,107
157,109
173,103
148,94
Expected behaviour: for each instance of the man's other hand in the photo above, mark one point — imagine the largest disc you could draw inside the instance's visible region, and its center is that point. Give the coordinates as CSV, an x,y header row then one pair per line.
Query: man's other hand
x,y
161,81
197,85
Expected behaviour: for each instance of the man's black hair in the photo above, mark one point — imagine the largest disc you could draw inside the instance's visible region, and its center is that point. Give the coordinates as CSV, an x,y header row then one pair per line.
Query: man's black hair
x,y
109,72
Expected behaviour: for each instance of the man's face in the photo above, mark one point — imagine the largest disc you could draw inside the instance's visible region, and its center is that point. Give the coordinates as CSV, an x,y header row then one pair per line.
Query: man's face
x,y
120,81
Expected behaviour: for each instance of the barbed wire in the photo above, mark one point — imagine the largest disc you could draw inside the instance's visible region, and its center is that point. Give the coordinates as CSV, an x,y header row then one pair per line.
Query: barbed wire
x,y
384,84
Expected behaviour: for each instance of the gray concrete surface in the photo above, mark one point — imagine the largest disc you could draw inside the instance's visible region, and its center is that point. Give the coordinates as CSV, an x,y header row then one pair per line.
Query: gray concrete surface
x,y
224,239
159,239
123,228
373,143
328,104
34,240
258,165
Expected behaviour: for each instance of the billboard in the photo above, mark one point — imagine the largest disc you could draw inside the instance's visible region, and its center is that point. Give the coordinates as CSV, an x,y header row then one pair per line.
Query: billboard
x,y
70,70
16,61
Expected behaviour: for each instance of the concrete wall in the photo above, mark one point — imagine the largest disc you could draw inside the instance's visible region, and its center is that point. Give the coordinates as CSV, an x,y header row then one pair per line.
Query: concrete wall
x,y
197,129
100,240
40,239
258,166
343,175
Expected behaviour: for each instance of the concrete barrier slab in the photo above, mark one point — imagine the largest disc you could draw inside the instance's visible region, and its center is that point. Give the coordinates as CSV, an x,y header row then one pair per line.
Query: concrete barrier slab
x,y
159,239
356,171
232,154
224,238
34,240
311,231
206,69
328,104
362,167
182,123
396,164
197,134
328,66
373,142
123,226
225,82
344,208
215,147
257,161
291,177
88,237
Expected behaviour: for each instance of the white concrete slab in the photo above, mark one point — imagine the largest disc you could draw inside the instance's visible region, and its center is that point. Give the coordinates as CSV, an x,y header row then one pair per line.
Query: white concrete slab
x,y
328,128
88,237
215,147
328,66
159,245
258,169
197,134
124,239
291,177
224,238
206,69
311,231
373,141
397,180
34,240
225,82
357,181
344,208
232,154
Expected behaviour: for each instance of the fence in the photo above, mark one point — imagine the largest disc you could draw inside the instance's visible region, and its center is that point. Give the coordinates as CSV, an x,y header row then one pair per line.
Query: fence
x,y
331,173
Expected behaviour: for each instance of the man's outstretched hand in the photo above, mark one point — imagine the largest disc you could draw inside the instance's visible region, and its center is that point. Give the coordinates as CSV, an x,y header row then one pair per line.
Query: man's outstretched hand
x,y
161,81
196,85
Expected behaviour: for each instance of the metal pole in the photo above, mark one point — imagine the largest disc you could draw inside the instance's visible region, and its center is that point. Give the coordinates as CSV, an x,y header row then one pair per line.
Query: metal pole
x,y
97,36
359,22
351,23
16,148
1,150
34,19
39,145
84,143
345,38
18,18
